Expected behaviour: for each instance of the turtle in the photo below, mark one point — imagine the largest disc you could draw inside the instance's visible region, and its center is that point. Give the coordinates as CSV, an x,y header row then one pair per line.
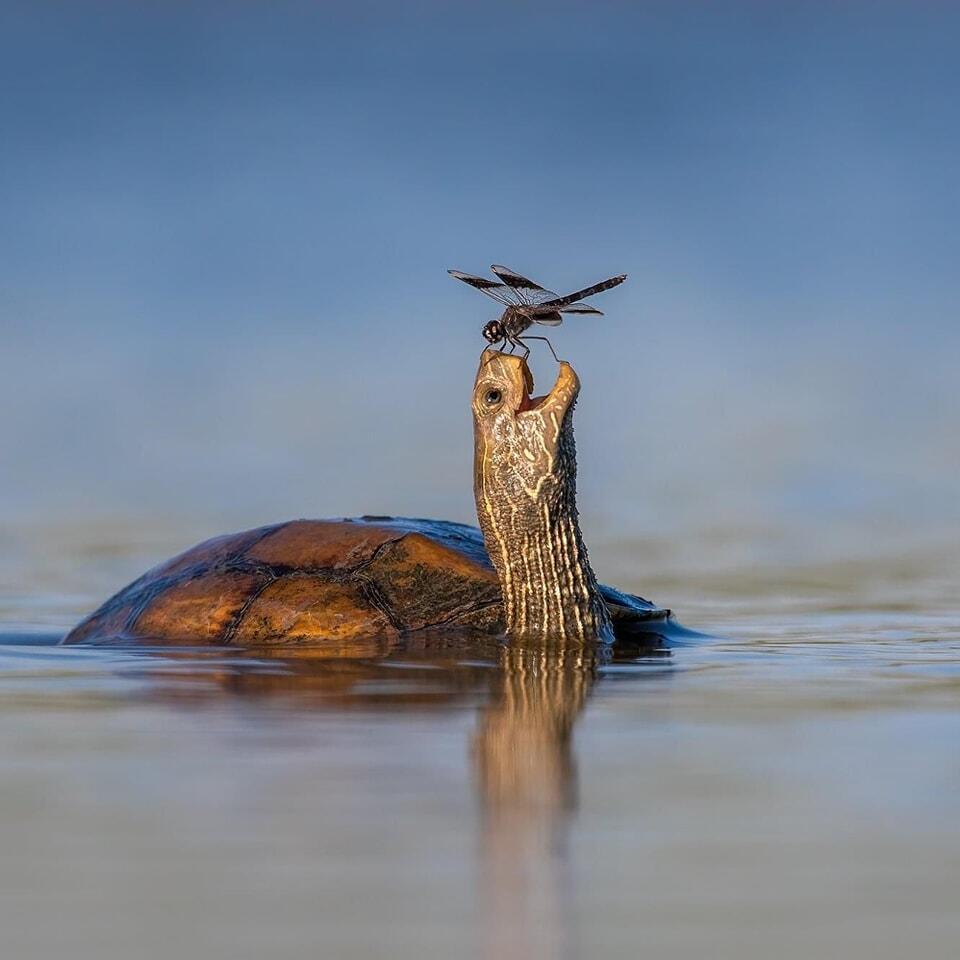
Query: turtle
x,y
524,573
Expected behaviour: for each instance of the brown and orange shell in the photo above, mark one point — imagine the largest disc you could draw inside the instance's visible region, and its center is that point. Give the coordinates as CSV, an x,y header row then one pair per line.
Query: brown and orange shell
x,y
313,581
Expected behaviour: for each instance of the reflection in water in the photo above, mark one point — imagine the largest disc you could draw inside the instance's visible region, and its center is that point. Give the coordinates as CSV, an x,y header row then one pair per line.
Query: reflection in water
x,y
527,786
802,775
522,747
796,783
529,700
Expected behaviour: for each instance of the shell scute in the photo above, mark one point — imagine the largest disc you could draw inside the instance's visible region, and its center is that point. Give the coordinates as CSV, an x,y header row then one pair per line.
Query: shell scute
x,y
425,582
305,609
197,610
321,544
210,553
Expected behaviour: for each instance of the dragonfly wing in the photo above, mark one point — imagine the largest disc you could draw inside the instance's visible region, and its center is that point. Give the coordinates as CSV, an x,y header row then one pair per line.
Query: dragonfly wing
x,y
499,291
527,291
581,308
549,318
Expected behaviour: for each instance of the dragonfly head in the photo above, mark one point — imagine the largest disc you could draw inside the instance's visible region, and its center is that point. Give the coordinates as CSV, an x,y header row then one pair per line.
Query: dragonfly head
x,y
493,332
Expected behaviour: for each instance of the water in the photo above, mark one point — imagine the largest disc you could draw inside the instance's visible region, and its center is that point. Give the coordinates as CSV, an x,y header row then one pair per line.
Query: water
x,y
788,789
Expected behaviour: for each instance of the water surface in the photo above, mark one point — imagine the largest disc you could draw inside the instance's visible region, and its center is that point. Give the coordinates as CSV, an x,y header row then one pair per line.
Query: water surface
x,y
788,789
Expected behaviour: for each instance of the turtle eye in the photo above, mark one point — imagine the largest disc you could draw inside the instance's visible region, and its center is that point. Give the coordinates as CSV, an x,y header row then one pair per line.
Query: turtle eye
x,y
492,397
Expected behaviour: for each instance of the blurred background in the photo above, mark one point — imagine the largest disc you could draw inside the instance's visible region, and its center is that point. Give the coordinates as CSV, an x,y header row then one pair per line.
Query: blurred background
x,y
225,232
224,236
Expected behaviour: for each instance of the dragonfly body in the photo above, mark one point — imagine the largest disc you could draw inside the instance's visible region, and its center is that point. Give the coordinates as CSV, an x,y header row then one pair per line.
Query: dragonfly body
x,y
513,322
526,303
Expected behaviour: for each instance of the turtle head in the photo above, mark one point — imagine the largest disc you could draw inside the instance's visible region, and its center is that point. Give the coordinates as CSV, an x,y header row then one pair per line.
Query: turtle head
x,y
525,473
518,433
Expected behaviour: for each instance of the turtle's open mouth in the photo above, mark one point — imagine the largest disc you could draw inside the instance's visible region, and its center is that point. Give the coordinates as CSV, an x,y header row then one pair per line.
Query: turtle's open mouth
x,y
528,401
563,392
532,403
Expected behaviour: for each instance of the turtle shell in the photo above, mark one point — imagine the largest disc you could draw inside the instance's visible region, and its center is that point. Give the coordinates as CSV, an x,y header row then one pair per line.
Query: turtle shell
x,y
309,581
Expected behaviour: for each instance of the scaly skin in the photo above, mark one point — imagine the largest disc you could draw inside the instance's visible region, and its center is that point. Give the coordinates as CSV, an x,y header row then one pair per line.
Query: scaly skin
x,y
525,472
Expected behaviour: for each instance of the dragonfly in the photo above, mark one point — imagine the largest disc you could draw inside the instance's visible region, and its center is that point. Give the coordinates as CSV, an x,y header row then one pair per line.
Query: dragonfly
x,y
527,303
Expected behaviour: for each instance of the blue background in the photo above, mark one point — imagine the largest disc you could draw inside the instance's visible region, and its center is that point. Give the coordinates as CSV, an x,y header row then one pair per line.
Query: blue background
x,y
225,230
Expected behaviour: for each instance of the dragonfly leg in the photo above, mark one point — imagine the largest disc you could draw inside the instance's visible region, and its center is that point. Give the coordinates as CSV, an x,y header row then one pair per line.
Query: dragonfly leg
x,y
514,344
546,341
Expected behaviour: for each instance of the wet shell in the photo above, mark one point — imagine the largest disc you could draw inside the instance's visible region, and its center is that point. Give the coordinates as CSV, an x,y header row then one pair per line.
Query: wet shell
x,y
310,581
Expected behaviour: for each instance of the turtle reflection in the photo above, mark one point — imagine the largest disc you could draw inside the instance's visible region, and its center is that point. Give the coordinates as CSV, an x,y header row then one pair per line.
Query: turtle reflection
x,y
528,697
